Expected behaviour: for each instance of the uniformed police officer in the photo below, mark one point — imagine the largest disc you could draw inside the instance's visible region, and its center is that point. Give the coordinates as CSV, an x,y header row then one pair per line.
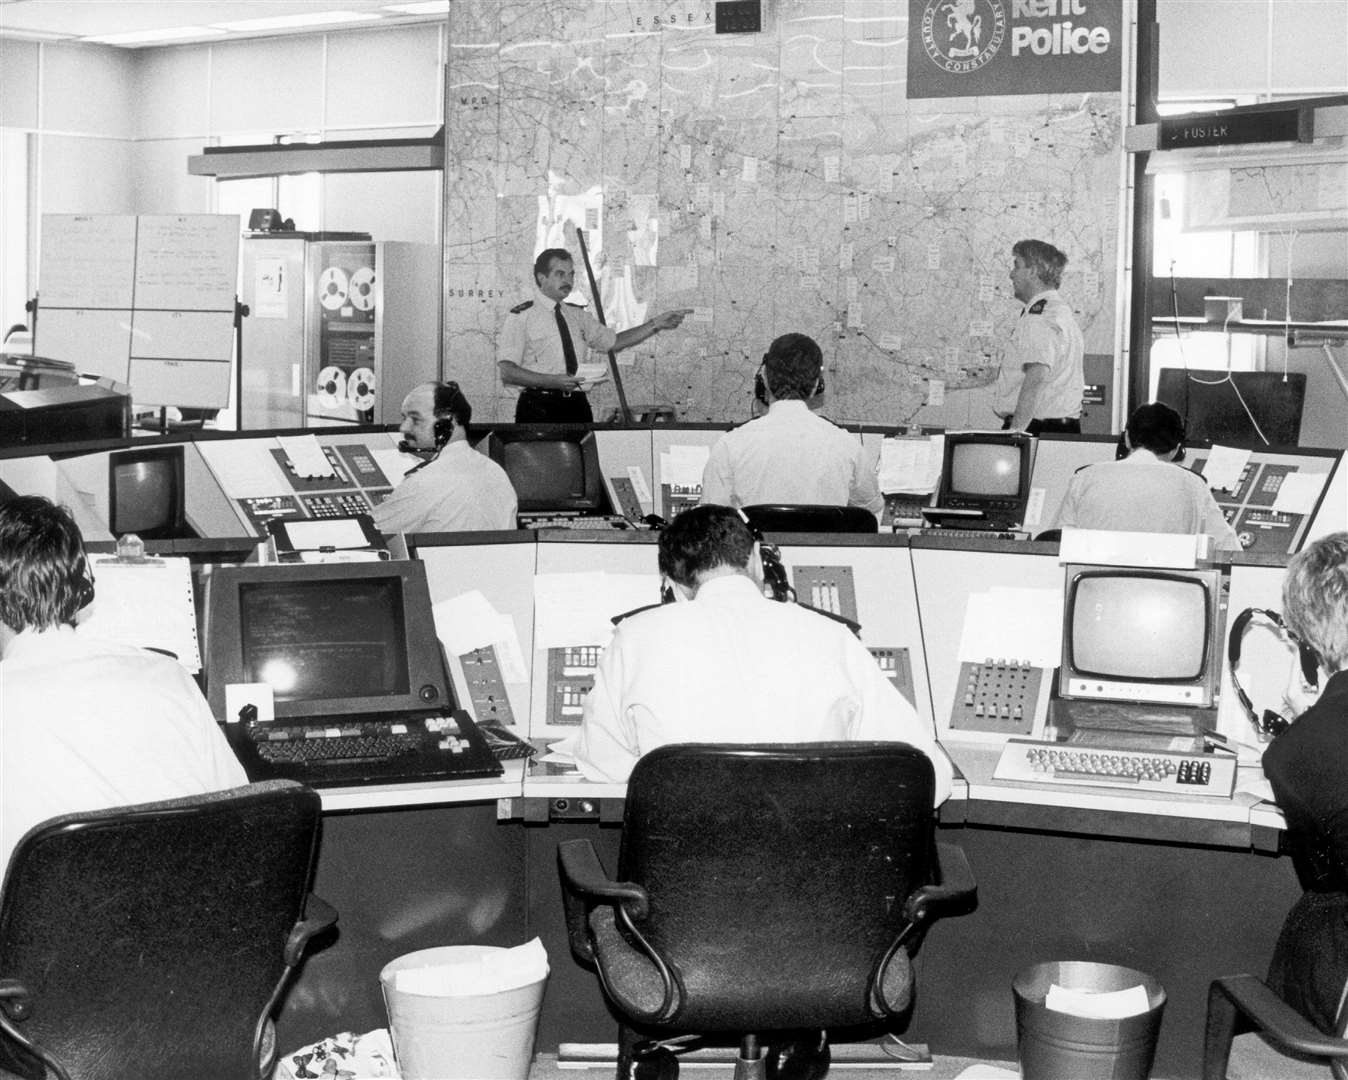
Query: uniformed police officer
x,y
544,341
1040,383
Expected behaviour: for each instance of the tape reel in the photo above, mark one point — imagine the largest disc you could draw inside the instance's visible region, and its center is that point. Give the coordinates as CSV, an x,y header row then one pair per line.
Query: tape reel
x,y
361,291
331,387
333,288
360,388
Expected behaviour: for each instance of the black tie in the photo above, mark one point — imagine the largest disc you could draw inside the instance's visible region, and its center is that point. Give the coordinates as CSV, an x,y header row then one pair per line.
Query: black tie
x,y
568,349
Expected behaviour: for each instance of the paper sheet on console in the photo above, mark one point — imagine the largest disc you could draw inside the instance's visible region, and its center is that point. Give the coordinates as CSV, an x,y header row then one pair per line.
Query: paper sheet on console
x,y
1223,467
306,456
244,467
149,605
682,466
1013,624
468,621
577,609
395,465
911,464
1297,493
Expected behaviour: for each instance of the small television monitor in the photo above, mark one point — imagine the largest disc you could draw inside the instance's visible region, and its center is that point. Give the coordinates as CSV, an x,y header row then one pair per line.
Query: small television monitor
x,y
146,493
553,469
331,639
1142,636
987,473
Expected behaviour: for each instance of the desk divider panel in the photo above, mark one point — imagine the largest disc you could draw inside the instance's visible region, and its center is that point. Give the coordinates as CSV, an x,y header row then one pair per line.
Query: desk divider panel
x,y
1056,461
869,580
670,499
629,476
503,572
563,671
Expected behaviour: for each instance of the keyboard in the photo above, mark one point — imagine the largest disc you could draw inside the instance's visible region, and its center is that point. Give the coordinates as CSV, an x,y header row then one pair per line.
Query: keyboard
x,y
339,748
595,521
1160,772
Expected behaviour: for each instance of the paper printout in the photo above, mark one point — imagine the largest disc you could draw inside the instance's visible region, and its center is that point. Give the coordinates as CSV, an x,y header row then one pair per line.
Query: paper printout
x,y
1297,493
306,455
1223,468
149,605
911,464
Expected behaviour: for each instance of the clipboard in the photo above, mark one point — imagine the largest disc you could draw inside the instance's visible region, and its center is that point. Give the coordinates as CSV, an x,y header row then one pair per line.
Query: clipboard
x,y
339,539
145,602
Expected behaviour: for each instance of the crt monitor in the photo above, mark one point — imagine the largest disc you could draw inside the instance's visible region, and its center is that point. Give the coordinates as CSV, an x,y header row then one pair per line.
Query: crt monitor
x,y
987,472
553,469
146,493
1142,636
332,639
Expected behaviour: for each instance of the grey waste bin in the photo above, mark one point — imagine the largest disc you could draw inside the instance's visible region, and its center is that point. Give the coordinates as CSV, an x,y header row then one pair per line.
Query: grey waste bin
x,y
1057,1046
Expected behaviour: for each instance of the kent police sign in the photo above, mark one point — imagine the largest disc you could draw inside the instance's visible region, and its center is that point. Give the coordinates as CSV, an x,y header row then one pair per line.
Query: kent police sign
x,y
962,48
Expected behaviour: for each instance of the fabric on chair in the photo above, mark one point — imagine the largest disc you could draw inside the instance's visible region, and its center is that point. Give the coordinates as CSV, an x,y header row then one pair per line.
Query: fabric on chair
x,y
785,886
153,940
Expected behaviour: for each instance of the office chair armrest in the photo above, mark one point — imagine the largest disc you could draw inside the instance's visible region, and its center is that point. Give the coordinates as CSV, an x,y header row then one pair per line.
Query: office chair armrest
x,y
1244,995
956,889
584,874
318,916
15,999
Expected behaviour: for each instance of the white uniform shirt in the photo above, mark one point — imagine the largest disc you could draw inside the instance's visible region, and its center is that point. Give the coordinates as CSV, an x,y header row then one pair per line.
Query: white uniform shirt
x,y
790,455
87,724
1046,333
461,490
1142,493
530,338
733,666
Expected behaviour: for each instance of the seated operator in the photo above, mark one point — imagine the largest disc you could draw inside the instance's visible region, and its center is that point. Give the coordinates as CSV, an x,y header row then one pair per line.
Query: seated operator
x,y
730,665
457,489
1306,765
87,724
1146,491
790,455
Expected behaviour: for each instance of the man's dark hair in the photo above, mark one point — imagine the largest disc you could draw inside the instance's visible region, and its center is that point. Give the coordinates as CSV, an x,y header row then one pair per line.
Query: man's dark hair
x,y
44,579
1155,427
450,402
1043,258
543,264
701,539
791,367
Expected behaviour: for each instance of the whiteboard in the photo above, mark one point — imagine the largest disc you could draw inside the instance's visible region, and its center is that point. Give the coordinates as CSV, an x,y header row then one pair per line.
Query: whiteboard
x,y
199,384
96,342
182,335
187,262
87,260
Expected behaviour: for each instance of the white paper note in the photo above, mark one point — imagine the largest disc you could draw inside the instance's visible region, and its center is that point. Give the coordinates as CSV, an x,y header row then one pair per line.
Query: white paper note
x,y
149,605
1223,468
306,455
1297,493
911,464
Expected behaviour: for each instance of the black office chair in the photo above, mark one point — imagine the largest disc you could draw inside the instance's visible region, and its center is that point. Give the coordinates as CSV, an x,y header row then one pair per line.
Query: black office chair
x,y
762,889
1284,1045
152,942
805,518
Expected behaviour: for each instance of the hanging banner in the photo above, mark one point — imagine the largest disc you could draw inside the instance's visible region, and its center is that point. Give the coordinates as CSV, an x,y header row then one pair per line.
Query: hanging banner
x,y
963,48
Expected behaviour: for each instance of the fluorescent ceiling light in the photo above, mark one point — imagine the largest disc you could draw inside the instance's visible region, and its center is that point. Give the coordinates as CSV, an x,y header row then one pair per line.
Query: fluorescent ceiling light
x,y
290,22
424,7
149,37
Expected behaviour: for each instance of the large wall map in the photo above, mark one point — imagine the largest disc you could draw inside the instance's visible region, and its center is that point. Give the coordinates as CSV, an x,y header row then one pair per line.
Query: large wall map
x,y
771,182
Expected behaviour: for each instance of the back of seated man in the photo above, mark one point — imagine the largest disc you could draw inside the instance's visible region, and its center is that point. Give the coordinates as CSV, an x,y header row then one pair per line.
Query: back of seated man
x,y
456,489
1146,491
790,455
84,723
730,665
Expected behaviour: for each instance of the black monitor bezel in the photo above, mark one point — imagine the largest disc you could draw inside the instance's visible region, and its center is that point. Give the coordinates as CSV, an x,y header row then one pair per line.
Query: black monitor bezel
x,y
1150,690
428,682
595,498
1018,439
176,527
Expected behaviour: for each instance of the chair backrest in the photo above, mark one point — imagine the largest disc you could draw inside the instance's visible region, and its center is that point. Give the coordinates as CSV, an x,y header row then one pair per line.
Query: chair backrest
x,y
777,874
151,937
796,518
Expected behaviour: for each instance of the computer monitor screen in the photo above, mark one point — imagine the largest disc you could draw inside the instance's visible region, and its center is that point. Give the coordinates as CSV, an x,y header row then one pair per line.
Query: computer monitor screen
x,y
331,639
551,469
146,494
1141,636
987,471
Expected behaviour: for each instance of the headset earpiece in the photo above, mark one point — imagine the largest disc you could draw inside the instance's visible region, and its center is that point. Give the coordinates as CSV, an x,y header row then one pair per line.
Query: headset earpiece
x,y
1271,723
442,430
760,384
82,585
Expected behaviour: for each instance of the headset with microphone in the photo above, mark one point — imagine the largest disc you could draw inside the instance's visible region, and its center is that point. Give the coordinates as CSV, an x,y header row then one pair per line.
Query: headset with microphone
x,y
1270,723
448,405
792,348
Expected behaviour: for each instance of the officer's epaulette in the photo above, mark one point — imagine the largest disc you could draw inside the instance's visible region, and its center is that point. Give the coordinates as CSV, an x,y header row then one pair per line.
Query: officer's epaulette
x,y
521,307
1037,308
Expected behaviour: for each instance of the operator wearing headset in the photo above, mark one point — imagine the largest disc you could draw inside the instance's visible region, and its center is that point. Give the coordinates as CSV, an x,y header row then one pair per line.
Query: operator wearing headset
x,y
86,723
456,489
1307,765
790,455
1146,490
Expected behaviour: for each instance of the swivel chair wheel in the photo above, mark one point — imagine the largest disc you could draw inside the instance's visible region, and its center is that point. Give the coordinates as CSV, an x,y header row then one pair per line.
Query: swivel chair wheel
x,y
659,1063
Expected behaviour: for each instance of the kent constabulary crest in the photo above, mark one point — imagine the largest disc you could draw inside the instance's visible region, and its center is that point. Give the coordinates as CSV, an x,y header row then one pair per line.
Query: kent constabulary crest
x,y
963,35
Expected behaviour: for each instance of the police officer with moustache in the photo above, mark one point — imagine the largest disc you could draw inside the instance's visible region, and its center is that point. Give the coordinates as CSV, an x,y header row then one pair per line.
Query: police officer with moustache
x,y
543,341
